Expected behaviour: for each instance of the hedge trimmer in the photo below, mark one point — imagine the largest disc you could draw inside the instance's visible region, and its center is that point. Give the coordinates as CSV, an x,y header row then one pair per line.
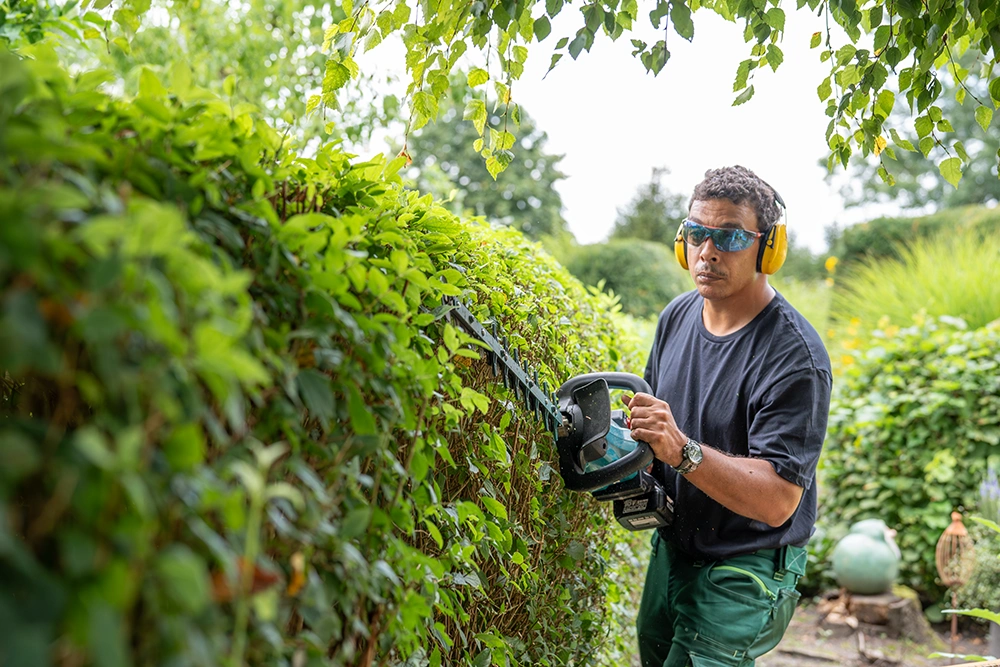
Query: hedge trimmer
x,y
596,451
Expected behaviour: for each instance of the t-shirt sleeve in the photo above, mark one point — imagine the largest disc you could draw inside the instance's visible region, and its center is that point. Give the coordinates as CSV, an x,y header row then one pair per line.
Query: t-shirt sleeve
x,y
790,425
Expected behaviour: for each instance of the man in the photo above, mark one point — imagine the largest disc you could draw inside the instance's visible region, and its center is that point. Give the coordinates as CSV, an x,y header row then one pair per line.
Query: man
x,y
741,386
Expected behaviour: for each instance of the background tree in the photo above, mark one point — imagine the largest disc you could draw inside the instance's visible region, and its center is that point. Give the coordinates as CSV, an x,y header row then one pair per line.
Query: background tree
x,y
915,42
446,164
653,214
919,184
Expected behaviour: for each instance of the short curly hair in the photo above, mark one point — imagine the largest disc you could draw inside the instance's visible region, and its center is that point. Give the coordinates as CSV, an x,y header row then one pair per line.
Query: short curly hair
x,y
738,185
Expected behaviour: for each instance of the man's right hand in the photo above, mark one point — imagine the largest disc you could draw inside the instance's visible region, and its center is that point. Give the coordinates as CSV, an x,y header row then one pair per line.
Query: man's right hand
x,y
652,422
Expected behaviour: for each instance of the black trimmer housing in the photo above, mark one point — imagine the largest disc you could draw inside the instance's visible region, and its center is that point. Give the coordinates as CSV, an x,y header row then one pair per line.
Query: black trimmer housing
x,y
640,502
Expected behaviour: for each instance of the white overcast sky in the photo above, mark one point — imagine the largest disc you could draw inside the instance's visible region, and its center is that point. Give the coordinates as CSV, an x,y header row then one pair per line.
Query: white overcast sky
x,y
613,123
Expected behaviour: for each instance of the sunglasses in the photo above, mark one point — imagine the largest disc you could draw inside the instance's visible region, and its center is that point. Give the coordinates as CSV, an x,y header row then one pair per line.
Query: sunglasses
x,y
726,239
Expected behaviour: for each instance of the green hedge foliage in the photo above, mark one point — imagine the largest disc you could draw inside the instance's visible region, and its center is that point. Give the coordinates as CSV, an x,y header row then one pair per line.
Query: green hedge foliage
x,y
912,422
644,274
886,238
236,428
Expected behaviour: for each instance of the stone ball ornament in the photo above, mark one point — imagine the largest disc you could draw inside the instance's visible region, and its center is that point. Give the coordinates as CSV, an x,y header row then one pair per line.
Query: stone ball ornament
x,y
866,560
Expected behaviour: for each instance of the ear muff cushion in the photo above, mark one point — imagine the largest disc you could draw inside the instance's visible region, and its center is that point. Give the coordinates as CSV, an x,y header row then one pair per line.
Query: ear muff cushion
x,y
680,248
773,250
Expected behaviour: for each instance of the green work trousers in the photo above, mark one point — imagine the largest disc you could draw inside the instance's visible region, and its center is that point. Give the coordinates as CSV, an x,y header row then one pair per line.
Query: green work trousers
x,y
716,613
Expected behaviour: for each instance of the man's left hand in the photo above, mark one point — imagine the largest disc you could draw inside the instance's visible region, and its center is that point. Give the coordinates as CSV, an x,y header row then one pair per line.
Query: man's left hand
x,y
652,422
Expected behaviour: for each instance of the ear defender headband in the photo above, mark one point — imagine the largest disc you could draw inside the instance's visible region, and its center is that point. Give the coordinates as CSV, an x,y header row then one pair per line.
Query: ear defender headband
x,y
773,247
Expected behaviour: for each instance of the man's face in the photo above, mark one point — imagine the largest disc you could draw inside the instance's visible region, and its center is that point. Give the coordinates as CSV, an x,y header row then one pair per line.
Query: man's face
x,y
717,274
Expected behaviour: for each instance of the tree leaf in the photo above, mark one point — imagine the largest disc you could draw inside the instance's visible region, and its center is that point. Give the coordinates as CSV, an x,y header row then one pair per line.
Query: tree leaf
x,y
975,613
951,170
362,420
475,110
924,126
337,75
825,89
984,115
494,167
494,507
995,91
743,97
899,141
774,56
355,522
680,16
542,28
926,144
880,144
314,389
775,18
885,101
477,77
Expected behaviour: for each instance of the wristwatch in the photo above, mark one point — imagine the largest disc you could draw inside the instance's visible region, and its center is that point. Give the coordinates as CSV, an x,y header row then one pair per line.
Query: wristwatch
x,y
690,457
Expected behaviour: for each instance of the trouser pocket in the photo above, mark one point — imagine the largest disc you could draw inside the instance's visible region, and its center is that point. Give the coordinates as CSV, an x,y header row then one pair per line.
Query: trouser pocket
x,y
774,629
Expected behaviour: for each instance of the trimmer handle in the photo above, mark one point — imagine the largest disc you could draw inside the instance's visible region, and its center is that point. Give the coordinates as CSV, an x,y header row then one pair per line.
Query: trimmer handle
x,y
573,475
627,381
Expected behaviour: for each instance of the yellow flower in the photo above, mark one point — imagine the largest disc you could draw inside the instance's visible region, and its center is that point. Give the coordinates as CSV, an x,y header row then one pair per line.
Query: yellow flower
x,y
891,331
855,321
829,282
830,333
846,359
831,264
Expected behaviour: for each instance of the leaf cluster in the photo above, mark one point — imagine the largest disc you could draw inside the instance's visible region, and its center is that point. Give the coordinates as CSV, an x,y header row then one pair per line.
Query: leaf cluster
x,y
236,426
912,423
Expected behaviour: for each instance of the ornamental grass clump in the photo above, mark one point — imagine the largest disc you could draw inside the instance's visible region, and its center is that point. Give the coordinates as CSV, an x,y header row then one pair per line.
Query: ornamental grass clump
x,y
235,424
955,274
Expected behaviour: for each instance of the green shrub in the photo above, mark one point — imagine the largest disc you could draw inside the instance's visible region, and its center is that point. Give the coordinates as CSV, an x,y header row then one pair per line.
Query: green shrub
x,y
886,238
982,590
955,274
912,421
234,425
644,274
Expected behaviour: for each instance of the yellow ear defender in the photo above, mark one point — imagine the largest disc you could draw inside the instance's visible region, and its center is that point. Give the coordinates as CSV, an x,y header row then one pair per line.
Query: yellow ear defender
x,y
773,248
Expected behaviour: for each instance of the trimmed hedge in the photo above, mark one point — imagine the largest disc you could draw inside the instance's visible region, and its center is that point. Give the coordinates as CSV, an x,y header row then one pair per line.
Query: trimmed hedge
x,y
235,427
913,420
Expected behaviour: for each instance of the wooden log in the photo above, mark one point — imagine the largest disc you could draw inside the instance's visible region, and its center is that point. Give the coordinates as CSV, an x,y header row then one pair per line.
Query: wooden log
x,y
906,619
873,609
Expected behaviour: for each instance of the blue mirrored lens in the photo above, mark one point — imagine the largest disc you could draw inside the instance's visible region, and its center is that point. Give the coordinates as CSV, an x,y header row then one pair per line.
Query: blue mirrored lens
x,y
726,240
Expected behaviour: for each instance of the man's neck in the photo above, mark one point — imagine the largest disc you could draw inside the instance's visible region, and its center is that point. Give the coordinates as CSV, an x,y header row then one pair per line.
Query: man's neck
x,y
725,316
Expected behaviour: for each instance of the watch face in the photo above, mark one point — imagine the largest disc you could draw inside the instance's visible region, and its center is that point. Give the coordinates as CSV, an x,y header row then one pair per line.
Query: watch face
x,y
692,452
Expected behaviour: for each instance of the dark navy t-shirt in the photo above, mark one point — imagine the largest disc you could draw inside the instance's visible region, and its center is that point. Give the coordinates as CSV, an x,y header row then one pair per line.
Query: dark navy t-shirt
x,y
764,392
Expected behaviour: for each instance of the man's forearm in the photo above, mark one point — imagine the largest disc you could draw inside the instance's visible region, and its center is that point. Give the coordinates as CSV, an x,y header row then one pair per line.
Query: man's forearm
x,y
748,486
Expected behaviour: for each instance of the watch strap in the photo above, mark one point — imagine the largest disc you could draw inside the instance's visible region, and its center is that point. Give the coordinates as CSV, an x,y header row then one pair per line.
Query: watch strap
x,y
687,464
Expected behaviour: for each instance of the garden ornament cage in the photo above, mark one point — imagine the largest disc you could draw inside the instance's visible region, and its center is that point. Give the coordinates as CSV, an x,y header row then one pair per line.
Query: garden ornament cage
x,y
954,558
